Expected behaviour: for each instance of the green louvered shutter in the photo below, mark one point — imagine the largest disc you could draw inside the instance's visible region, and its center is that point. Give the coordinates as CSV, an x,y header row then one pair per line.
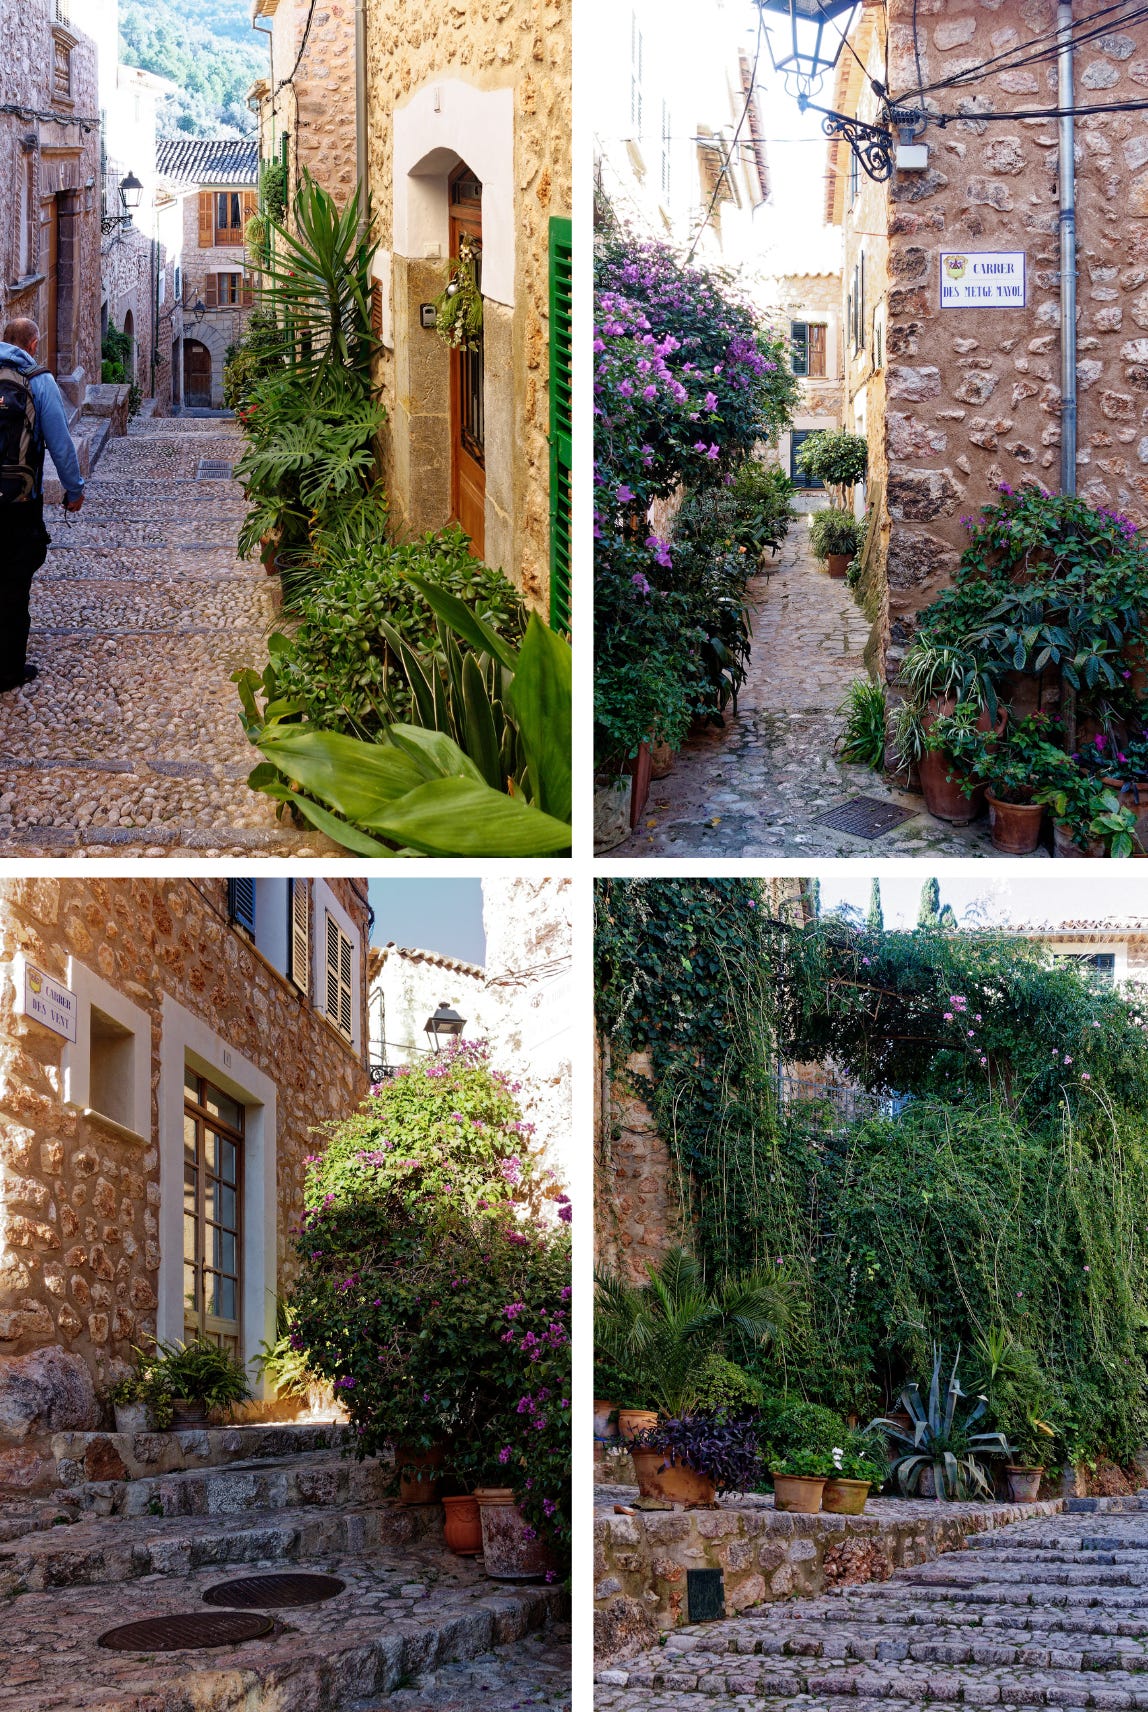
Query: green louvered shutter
x,y
561,296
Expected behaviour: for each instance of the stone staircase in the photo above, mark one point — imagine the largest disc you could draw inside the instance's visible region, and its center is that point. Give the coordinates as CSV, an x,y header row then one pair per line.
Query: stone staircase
x,y
103,1553
1048,1612
130,737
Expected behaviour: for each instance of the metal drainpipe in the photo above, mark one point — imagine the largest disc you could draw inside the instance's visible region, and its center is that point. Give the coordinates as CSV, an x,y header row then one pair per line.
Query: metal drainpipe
x,y
1067,251
361,109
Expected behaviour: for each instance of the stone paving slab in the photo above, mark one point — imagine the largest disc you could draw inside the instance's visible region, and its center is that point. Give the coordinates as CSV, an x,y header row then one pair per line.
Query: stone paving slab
x,y
533,1672
756,785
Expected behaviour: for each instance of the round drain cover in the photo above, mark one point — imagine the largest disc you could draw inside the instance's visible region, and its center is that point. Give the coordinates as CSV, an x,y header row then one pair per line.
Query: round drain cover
x,y
188,1629
274,1592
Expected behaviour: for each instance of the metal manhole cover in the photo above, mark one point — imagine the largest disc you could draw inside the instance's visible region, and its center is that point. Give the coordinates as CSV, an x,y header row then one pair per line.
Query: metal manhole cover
x,y
866,817
214,469
187,1629
274,1592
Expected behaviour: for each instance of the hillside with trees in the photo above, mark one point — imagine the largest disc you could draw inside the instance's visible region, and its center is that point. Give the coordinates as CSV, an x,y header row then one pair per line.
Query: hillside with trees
x,y
207,48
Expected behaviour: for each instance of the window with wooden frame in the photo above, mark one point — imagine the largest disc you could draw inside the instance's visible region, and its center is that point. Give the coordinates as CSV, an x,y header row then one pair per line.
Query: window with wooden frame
x,y
62,45
299,935
227,291
213,1128
339,964
809,344
223,216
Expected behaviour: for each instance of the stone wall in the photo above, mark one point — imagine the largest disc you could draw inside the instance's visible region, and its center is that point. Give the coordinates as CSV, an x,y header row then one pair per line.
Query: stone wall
x,y
638,1214
219,327
79,1198
63,160
316,110
974,398
517,46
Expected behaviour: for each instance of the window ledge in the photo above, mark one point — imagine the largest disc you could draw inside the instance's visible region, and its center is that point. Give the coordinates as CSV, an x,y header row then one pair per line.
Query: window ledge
x,y
116,1128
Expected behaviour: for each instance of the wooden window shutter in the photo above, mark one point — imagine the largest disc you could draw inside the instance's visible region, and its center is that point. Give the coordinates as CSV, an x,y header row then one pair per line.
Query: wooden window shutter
x,y
561,421
250,206
211,291
206,220
339,979
247,293
377,309
300,931
241,903
817,344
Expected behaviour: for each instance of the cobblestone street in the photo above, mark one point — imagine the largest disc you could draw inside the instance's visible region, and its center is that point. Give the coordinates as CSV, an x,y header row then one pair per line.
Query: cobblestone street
x,y
757,786
1052,1611
130,735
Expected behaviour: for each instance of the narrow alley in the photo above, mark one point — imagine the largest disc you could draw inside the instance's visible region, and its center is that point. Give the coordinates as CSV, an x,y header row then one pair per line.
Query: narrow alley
x,y
130,736
760,785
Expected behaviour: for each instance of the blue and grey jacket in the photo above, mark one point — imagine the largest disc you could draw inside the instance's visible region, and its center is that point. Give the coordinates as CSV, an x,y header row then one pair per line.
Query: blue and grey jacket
x,y
51,420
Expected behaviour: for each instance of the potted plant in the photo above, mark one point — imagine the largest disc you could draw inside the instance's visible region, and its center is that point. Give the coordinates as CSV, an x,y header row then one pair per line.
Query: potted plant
x,y
1088,817
1029,1447
936,680
835,536
943,1456
799,1480
200,1377
418,1467
1011,767
838,459
141,1400
855,1469
462,1524
512,1549
691,1458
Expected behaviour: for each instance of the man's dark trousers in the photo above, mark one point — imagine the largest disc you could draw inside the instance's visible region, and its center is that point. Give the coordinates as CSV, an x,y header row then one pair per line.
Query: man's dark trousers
x,y
23,549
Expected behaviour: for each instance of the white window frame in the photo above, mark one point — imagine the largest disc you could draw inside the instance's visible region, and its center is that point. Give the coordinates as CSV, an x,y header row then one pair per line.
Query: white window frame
x,y
186,1039
1066,950
92,991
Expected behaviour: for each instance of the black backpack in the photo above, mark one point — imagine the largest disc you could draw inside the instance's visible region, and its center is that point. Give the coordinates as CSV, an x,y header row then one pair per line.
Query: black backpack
x,y
21,448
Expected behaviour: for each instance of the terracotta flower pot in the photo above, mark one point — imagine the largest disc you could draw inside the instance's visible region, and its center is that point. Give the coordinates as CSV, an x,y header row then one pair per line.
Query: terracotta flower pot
x,y
631,1421
800,1493
845,1497
675,1482
511,1550
1023,1484
462,1525
421,1487
1063,844
837,565
944,798
1015,826
603,1427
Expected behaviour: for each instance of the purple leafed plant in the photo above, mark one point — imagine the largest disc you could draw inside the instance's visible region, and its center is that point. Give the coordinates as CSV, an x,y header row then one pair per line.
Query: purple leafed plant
x,y
726,1452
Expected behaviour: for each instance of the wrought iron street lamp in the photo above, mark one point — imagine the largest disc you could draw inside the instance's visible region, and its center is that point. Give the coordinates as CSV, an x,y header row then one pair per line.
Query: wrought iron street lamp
x,y
808,45
444,1024
199,310
131,195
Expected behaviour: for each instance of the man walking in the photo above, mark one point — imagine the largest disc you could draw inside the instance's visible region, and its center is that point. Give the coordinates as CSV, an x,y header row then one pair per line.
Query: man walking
x,y
31,417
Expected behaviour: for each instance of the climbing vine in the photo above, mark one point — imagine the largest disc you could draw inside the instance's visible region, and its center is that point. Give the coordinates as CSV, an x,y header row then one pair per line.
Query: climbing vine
x,y
985,1182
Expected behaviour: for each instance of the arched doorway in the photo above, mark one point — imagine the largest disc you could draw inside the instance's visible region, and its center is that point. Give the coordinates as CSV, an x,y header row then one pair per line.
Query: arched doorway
x,y
130,333
467,379
196,375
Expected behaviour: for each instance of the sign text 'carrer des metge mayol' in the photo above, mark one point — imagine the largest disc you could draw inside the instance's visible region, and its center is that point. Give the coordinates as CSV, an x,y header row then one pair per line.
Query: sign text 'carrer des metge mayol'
x,y
985,279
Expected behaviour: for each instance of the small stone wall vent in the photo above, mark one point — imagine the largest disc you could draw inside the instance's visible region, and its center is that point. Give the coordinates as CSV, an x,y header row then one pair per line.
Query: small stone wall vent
x,y
705,1595
214,469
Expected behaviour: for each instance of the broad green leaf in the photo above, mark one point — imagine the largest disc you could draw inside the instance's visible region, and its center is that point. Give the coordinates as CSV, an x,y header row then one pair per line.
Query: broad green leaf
x,y
348,836
539,698
434,752
462,621
481,734
355,778
459,817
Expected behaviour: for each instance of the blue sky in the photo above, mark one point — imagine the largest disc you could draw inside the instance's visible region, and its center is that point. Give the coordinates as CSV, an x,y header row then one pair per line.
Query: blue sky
x,y
430,915
993,899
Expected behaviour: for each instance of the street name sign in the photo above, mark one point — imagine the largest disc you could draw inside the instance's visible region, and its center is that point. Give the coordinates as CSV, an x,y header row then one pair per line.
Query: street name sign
x,y
44,1000
984,279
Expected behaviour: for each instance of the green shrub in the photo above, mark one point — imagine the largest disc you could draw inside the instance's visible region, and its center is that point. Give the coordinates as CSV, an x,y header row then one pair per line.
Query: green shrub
x,y
257,354
202,1372
866,712
837,459
833,531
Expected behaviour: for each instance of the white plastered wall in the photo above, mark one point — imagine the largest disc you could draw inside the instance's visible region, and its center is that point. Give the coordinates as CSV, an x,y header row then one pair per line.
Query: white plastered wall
x,y
186,1039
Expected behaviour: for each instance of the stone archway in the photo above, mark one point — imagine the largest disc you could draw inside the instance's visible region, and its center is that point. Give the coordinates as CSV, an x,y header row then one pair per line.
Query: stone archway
x,y
130,333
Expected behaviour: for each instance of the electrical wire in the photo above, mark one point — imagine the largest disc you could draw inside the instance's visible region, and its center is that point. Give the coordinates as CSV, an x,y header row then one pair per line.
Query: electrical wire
x,y
733,141
1033,53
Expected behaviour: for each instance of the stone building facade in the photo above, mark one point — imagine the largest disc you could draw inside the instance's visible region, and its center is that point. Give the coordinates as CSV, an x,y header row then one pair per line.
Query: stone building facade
x,y
967,399
520,1001
807,308
306,103
50,188
205,1015
207,196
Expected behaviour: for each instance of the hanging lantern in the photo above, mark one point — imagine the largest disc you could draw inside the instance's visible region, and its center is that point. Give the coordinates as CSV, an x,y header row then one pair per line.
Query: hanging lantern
x,y
809,43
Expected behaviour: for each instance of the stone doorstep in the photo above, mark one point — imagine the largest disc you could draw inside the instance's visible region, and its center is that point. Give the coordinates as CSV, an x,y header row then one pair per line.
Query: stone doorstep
x,y
396,1620
266,1483
903,1683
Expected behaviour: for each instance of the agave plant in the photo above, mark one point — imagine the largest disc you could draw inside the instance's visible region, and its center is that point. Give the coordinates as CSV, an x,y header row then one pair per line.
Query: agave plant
x,y
942,1441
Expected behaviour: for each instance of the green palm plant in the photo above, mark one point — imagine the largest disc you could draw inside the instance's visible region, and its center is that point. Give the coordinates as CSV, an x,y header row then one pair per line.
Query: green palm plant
x,y
661,1333
941,1440
317,280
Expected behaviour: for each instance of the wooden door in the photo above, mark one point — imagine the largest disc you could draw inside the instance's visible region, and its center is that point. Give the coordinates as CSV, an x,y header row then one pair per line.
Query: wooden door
x,y
196,374
467,380
212,1214
49,347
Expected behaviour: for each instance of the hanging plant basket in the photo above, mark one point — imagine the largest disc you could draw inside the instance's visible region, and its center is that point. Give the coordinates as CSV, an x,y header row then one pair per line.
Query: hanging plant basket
x,y
458,308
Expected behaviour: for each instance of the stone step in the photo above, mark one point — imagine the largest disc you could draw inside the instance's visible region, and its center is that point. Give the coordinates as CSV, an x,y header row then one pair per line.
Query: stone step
x,y
403,1612
809,1637
907,1682
275,1481
1014,1622
100,1549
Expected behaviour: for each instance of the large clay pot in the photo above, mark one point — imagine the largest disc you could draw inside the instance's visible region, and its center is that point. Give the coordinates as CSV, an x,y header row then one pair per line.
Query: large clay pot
x,y
604,1428
1015,826
845,1497
800,1493
1023,1484
631,1421
944,798
674,1482
611,813
1063,845
511,1550
837,565
132,1418
462,1525
421,1486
